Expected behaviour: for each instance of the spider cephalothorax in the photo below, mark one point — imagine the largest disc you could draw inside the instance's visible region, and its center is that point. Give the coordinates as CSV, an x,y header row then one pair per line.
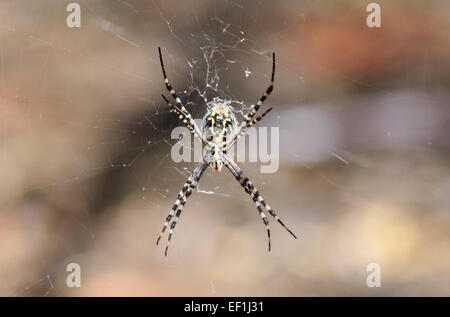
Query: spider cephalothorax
x,y
219,131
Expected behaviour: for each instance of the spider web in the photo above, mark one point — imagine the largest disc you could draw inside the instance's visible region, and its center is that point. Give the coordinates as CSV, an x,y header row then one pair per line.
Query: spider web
x,y
86,101
208,60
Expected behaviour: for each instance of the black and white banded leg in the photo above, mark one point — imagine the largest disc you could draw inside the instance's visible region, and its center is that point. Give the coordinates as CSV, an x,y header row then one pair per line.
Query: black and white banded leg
x,y
256,120
179,106
179,115
185,192
253,191
269,89
258,206
247,122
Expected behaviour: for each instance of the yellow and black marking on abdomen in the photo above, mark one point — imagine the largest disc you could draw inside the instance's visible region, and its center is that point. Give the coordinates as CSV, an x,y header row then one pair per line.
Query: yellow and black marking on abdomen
x,y
218,123
218,120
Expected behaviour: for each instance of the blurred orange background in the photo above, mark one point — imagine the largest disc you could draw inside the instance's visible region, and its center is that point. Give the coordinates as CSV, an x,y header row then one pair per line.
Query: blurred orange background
x,y
85,144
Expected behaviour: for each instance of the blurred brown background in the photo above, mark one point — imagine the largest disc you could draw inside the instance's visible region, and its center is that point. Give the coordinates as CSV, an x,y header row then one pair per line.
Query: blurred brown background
x,y
87,177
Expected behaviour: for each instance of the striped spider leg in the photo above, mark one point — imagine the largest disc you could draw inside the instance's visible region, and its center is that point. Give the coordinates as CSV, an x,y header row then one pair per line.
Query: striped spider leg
x,y
255,195
191,183
180,110
185,192
247,122
180,115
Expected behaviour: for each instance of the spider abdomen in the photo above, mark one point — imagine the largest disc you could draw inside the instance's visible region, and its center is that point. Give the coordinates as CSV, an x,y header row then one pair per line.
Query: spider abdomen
x,y
218,126
218,122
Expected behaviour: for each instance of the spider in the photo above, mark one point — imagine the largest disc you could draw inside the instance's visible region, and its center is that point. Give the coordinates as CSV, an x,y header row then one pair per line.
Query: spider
x,y
219,131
